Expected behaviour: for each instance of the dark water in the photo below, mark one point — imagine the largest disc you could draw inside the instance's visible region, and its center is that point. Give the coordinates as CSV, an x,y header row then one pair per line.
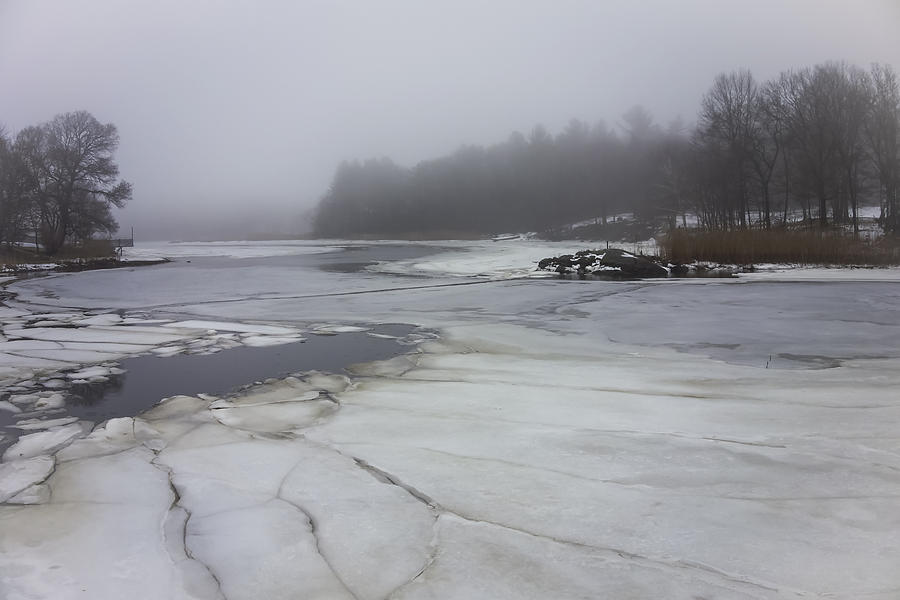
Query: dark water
x,y
148,379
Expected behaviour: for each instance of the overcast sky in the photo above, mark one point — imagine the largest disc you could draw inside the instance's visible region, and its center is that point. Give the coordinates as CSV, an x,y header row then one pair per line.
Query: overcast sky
x,y
228,108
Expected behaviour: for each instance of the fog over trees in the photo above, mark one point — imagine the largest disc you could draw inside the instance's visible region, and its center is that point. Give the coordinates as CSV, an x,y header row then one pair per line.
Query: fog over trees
x,y
58,182
811,145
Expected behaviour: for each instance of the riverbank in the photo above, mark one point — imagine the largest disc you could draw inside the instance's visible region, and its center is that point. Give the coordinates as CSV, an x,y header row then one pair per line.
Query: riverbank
x,y
76,265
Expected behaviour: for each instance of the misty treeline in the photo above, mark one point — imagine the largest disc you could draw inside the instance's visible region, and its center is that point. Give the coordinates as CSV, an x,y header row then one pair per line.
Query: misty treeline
x,y
810,146
58,182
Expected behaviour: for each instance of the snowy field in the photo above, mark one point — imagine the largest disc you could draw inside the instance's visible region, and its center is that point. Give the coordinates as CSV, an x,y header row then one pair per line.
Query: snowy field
x,y
681,439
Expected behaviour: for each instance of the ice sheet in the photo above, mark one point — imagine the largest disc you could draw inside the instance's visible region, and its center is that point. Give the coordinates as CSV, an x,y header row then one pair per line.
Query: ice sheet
x,y
259,341
159,250
238,327
120,335
43,442
561,439
17,475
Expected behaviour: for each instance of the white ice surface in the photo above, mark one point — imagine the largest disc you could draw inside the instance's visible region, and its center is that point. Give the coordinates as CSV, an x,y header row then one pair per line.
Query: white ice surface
x,y
103,319
9,407
238,327
159,250
39,493
42,442
495,260
110,555
561,440
498,260
37,424
319,329
259,341
17,475
822,274
122,335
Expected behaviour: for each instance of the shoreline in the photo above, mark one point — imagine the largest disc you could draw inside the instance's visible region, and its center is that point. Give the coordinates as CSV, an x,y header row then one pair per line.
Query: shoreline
x,y
76,265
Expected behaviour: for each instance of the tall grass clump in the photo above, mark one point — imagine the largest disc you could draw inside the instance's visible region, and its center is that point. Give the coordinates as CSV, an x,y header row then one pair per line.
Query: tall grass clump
x,y
754,246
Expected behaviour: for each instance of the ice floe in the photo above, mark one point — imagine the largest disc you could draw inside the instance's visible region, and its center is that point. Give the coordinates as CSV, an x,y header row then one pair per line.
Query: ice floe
x,y
43,442
238,250
259,341
35,424
9,407
237,327
18,475
334,329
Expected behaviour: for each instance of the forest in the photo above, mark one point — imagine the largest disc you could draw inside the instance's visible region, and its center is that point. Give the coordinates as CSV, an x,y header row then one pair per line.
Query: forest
x,y
804,149
58,182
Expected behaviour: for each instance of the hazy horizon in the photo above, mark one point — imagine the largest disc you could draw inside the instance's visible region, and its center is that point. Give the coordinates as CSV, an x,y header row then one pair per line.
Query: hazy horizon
x,y
233,117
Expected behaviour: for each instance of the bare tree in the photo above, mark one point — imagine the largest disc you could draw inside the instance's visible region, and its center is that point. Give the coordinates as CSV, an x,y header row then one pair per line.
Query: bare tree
x,y
778,94
727,127
16,197
852,109
70,161
882,132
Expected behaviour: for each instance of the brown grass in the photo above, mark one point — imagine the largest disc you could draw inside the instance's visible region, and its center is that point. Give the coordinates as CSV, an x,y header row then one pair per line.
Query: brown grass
x,y
777,246
21,255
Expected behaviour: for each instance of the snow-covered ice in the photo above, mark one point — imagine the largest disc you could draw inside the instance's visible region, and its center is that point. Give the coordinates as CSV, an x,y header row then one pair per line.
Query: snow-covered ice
x,y
238,327
558,439
42,442
259,341
18,475
235,250
9,407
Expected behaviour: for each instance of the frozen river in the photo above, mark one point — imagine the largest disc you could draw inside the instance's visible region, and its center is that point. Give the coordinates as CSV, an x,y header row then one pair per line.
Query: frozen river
x,y
557,439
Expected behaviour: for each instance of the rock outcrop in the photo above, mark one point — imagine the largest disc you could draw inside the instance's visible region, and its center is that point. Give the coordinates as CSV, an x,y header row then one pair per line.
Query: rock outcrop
x,y
612,263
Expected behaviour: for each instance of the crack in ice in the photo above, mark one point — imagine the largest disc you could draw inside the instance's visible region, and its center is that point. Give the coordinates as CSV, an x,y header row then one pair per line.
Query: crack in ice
x,y
390,479
313,529
176,501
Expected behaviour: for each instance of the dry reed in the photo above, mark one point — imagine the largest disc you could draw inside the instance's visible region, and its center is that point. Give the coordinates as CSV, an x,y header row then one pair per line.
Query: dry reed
x,y
748,247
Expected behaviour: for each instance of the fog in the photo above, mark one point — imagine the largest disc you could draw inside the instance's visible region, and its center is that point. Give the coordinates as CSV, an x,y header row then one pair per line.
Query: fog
x,y
233,116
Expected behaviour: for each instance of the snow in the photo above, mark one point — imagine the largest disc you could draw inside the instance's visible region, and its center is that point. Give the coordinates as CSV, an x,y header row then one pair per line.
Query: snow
x,y
28,267
597,220
511,259
869,212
